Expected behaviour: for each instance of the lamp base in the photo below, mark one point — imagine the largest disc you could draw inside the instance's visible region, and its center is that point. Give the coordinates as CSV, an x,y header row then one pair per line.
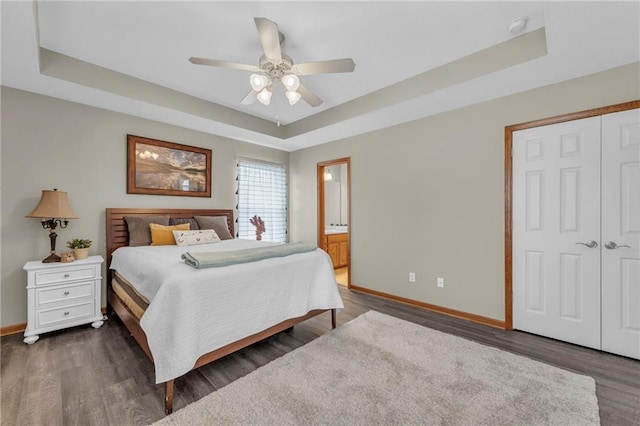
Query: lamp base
x,y
52,258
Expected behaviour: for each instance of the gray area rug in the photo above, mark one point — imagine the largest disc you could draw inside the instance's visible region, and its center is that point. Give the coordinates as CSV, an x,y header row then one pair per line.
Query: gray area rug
x,y
380,370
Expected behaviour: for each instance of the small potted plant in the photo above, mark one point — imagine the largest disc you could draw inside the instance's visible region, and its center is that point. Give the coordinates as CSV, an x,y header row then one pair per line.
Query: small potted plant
x,y
80,247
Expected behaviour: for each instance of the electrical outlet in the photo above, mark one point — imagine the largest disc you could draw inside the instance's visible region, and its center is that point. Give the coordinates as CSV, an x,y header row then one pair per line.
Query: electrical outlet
x,y
412,277
440,282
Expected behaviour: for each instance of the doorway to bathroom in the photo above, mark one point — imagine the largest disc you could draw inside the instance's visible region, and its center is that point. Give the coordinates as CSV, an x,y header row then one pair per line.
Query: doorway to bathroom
x,y
334,220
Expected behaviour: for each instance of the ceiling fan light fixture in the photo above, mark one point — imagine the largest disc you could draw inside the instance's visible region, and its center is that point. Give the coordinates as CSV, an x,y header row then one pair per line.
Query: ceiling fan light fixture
x,y
293,96
275,68
265,96
290,82
258,82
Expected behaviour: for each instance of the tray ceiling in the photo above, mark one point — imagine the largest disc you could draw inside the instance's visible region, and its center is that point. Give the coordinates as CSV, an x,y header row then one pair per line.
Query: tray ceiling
x,y
413,59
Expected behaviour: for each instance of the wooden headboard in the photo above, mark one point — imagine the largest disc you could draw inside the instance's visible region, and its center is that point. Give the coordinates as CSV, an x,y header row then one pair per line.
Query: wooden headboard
x,y
118,233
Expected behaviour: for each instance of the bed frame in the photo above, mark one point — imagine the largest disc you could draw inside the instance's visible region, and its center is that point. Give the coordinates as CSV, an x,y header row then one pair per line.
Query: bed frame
x,y
118,236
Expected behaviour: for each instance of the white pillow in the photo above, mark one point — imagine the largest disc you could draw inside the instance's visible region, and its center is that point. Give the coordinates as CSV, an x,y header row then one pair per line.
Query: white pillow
x,y
192,238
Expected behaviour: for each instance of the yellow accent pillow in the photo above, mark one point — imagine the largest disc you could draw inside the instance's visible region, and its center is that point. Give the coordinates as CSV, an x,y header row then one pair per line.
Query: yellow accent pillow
x,y
161,235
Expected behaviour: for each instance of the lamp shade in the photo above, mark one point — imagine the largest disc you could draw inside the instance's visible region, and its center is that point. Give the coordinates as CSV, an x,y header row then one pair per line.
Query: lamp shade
x,y
291,82
293,96
53,205
258,82
265,96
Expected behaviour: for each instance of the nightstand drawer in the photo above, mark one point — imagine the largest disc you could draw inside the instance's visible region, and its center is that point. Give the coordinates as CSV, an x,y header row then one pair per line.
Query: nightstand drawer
x,y
50,277
49,295
50,317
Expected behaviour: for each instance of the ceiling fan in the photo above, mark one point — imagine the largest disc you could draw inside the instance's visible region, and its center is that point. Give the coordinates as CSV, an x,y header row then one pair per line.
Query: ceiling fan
x,y
275,68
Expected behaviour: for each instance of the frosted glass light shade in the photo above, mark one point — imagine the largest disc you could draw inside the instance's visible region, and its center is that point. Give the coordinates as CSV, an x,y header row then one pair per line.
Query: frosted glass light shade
x,y
258,82
290,82
265,96
293,97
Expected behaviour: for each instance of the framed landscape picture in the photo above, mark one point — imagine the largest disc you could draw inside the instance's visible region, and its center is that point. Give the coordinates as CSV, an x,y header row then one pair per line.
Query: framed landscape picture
x,y
165,168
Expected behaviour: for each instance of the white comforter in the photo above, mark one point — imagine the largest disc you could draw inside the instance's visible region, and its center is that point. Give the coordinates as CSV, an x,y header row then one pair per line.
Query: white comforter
x,y
195,311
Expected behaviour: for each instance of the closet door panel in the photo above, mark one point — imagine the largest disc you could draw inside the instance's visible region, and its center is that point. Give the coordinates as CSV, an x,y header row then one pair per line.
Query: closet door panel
x,y
556,206
621,233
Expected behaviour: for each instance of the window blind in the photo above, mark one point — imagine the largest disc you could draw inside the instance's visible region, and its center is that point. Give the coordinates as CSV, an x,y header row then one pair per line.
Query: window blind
x,y
262,191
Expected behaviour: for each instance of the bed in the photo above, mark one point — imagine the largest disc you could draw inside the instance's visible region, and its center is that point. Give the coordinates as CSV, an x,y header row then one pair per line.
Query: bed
x,y
146,313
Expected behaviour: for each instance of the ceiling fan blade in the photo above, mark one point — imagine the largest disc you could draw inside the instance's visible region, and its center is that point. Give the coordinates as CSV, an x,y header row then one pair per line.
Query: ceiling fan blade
x,y
323,67
251,97
224,64
308,96
270,38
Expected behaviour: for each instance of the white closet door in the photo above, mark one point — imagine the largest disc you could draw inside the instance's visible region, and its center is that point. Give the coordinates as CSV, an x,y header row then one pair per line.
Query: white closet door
x,y
556,206
621,233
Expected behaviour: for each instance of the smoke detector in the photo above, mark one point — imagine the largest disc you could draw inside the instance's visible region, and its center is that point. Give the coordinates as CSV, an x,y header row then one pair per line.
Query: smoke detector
x,y
517,25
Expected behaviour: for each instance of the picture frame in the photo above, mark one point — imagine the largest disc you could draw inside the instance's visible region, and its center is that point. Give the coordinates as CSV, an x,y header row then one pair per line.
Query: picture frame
x,y
156,167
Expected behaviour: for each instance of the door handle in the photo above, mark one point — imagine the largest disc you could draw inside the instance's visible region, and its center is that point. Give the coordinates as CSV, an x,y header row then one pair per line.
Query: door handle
x,y
591,244
611,245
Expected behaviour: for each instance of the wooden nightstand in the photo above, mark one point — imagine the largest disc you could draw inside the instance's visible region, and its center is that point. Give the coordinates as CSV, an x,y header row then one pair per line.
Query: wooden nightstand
x,y
62,295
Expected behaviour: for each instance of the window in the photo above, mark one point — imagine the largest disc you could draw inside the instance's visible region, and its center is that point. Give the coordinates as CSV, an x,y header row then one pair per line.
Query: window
x,y
262,191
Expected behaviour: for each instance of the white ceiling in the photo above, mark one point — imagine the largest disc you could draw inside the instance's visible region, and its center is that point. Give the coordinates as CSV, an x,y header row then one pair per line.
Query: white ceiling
x,y
389,41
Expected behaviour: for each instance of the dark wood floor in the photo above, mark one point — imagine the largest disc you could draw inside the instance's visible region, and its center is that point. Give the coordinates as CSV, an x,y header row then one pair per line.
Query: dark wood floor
x,y
84,376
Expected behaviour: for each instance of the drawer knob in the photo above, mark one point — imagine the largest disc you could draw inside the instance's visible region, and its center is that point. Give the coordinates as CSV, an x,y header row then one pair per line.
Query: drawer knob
x,y
66,275
66,313
66,293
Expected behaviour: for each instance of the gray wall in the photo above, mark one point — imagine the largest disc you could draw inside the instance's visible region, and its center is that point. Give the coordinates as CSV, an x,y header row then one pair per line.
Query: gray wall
x,y
428,196
49,143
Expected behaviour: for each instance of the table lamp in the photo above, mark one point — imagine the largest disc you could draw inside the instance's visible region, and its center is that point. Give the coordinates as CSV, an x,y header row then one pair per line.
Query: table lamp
x,y
53,210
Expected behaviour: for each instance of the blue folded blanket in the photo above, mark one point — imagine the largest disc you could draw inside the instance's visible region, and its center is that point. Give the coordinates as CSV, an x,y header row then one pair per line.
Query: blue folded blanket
x,y
210,259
